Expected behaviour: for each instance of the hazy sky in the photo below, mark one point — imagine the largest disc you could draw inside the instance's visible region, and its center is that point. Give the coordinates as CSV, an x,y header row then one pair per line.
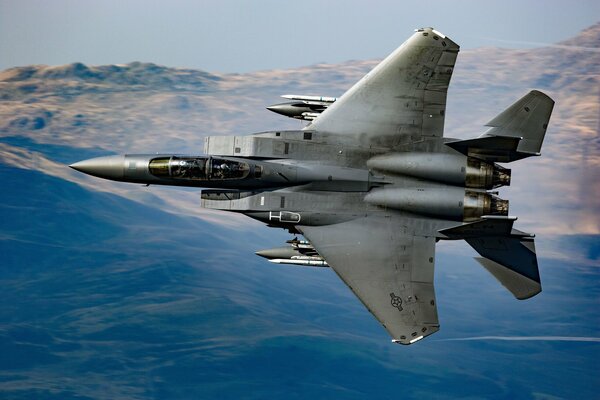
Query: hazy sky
x,y
241,36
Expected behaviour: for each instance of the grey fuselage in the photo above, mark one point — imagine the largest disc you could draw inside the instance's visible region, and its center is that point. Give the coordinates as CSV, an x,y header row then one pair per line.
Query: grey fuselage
x,y
282,177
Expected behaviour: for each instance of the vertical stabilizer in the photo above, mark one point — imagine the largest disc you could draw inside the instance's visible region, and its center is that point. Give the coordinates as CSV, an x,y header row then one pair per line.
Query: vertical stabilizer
x,y
527,119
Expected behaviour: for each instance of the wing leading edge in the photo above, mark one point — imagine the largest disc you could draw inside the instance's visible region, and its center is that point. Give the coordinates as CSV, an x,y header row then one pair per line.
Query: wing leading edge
x,y
402,100
388,268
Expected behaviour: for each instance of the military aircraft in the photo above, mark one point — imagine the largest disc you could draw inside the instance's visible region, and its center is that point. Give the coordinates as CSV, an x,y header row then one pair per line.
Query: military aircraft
x,y
372,184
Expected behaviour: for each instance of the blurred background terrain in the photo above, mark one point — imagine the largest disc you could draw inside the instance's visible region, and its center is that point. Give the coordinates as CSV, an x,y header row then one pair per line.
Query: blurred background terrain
x,y
113,291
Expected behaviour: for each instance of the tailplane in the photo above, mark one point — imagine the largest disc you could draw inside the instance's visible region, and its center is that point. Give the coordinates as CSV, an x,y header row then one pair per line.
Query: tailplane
x,y
507,253
521,286
512,261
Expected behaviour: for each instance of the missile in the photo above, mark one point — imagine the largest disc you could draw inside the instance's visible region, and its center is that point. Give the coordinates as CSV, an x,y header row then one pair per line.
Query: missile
x,y
301,262
298,110
313,99
291,109
299,253
303,107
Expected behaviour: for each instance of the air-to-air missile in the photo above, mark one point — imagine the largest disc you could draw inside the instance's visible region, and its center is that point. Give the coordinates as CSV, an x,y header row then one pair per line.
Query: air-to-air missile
x,y
303,107
299,252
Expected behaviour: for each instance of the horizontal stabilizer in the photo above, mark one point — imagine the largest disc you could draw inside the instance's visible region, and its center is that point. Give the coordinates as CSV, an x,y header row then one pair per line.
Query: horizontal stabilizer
x,y
512,260
489,225
520,286
490,148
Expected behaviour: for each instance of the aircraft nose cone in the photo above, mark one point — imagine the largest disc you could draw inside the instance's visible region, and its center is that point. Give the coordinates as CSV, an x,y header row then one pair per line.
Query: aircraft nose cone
x,y
109,167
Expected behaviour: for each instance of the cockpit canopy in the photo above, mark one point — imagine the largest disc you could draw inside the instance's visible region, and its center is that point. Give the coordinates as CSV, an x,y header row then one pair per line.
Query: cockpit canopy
x,y
198,168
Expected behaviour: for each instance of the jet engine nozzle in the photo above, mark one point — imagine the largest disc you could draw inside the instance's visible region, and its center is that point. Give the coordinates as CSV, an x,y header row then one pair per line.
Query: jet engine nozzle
x,y
483,175
501,177
498,206
477,204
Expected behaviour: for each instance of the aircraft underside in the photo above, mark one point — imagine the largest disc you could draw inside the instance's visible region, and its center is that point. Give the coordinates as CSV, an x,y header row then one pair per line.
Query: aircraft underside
x,y
372,184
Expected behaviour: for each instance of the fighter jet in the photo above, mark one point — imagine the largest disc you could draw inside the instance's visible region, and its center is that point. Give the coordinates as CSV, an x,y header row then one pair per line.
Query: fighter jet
x,y
372,184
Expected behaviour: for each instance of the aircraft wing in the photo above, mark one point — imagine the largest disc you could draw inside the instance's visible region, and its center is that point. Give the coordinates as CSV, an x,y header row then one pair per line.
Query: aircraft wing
x,y
401,100
388,267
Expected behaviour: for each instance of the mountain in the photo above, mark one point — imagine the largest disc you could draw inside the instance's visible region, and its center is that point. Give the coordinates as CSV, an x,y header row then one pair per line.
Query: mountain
x,y
116,291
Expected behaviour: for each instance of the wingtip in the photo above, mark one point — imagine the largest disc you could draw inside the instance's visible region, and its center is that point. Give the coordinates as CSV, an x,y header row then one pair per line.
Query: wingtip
x,y
406,342
541,94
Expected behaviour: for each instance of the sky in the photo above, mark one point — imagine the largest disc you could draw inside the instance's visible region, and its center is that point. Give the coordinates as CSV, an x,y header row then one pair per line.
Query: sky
x,y
244,36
